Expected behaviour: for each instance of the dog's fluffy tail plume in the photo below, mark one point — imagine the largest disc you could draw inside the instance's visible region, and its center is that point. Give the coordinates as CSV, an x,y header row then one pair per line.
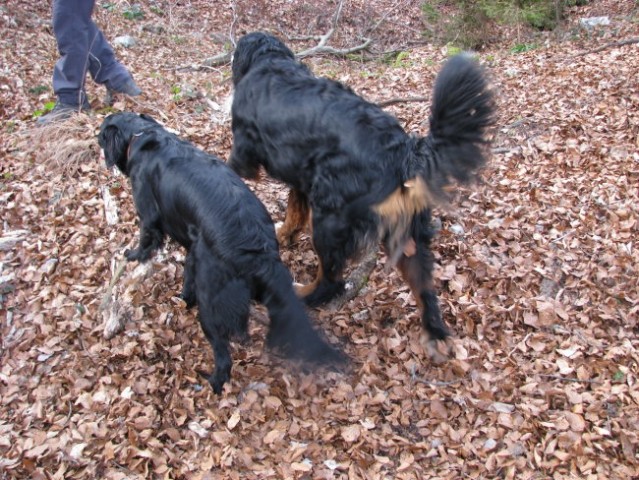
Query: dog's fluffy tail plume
x,y
291,332
462,110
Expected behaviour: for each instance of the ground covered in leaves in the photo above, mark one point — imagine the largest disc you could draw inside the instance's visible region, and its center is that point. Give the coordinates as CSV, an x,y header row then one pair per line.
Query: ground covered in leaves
x,y
538,270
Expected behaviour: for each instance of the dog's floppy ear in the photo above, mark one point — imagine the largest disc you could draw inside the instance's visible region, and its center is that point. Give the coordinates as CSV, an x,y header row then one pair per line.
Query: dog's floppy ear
x,y
115,145
150,119
142,142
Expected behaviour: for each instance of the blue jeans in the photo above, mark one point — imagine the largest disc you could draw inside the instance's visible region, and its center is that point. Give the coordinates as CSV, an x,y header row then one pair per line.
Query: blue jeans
x,y
82,48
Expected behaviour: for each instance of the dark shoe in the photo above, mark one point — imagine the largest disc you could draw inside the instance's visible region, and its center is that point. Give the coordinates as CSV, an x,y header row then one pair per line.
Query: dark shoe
x,y
61,112
128,88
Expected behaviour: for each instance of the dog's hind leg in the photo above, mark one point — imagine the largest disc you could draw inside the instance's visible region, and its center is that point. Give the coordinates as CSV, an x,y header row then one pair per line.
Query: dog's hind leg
x,y
188,288
290,332
297,212
223,303
416,268
224,311
334,243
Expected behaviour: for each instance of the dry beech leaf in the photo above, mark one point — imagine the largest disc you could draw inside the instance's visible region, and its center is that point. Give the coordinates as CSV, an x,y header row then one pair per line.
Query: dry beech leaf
x,y
576,421
233,420
273,436
351,433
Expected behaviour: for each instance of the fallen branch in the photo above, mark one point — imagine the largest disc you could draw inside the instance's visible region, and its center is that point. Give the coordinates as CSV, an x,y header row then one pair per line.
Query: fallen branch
x,y
357,280
436,383
211,62
108,295
568,379
394,101
620,43
322,49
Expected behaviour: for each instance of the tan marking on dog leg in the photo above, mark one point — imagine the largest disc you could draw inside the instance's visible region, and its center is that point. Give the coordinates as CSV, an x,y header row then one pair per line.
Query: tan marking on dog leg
x,y
410,248
439,351
297,214
305,290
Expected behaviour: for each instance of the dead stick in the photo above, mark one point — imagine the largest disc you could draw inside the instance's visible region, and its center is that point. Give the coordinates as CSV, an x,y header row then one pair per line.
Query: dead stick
x,y
394,101
607,45
116,276
358,279
568,379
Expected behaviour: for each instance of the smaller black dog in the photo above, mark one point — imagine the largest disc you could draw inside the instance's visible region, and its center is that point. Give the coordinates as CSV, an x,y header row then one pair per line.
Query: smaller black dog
x,y
232,253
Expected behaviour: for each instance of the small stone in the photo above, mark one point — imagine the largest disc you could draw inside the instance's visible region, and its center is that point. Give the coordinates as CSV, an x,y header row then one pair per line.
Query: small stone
x,y
125,41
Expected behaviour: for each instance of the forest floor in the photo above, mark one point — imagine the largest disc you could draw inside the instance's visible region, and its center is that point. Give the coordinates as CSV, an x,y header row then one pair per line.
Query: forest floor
x,y
537,268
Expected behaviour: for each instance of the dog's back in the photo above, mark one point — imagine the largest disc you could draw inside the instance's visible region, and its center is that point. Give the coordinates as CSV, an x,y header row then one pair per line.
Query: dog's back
x,y
195,190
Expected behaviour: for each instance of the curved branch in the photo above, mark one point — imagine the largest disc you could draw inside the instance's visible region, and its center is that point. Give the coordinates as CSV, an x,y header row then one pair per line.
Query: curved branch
x,y
323,49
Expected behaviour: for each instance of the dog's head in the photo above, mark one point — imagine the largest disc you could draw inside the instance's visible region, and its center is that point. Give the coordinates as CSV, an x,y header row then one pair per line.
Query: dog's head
x,y
117,132
253,48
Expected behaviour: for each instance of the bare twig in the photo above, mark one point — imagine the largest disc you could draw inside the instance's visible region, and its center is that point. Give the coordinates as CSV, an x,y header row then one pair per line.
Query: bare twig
x,y
317,50
109,291
568,379
357,280
394,101
216,61
620,43
233,24
322,48
436,383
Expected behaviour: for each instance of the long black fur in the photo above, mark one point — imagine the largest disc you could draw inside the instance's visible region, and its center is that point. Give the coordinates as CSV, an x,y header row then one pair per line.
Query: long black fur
x,y
347,156
232,253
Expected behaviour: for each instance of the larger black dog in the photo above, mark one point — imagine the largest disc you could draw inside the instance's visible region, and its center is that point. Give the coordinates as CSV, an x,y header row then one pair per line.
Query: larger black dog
x,y
350,163
232,257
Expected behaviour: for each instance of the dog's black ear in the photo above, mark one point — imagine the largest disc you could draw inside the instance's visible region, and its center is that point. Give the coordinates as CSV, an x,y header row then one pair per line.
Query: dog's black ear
x,y
114,145
143,142
149,118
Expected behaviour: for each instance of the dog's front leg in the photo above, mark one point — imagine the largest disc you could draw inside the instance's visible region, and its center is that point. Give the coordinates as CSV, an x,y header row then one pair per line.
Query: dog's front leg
x,y
151,233
151,238
244,160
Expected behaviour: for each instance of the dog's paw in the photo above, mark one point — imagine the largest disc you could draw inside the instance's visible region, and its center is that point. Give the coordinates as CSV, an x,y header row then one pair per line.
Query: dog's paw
x,y
285,238
189,300
132,255
138,254
439,351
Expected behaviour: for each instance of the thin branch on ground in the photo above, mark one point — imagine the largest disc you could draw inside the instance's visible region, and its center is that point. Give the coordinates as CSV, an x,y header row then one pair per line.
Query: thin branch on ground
x,y
322,48
568,379
436,383
233,24
108,295
394,101
620,43
357,280
219,60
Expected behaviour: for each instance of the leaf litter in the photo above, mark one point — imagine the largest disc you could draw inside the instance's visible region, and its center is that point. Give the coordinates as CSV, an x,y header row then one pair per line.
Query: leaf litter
x,y
537,273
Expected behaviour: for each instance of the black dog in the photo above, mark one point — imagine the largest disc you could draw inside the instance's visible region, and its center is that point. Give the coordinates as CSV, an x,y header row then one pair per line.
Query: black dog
x,y
352,165
232,253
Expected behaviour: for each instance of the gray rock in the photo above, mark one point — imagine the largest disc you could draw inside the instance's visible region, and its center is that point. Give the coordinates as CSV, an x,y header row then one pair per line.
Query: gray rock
x,y
592,22
125,41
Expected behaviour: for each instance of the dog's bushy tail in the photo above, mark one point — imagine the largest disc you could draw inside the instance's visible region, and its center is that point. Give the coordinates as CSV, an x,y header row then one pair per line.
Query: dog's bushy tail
x,y
463,108
291,332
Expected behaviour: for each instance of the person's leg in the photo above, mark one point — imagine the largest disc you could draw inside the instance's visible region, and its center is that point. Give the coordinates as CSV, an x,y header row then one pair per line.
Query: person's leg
x,y
104,67
71,21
